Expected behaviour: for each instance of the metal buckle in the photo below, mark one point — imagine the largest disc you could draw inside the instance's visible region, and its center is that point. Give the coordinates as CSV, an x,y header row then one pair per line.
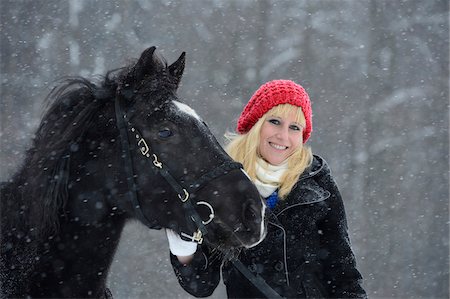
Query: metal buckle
x,y
143,147
196,237
156,162
186,196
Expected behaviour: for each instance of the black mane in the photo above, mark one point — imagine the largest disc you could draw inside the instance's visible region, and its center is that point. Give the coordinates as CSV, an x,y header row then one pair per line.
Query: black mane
x,y
71,107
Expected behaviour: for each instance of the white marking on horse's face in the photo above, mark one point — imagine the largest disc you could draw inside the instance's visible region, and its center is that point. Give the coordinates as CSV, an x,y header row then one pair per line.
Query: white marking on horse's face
x,y
263,231
263,222
246,174
186,109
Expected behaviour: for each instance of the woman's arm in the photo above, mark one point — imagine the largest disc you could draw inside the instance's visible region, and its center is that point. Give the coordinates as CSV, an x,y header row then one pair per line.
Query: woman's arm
x,y
201,275
197,273
344,280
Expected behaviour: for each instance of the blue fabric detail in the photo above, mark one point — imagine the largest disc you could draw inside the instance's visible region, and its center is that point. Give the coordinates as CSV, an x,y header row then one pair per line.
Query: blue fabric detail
x,y
272,200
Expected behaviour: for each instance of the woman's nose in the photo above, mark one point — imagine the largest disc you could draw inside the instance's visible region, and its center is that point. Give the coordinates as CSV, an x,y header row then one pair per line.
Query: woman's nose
x,y
283,133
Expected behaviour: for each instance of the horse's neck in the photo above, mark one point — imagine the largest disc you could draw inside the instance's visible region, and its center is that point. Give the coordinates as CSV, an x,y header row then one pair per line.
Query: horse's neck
x,y
75,262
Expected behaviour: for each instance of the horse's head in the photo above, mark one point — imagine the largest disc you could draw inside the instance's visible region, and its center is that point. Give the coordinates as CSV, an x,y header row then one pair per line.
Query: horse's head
x,y
184,179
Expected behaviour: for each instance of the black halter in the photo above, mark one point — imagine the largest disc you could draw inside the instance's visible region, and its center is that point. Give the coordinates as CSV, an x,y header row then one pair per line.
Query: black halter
x,y
184,193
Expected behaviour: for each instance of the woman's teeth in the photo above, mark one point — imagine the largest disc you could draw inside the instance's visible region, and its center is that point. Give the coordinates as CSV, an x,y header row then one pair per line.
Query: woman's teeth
x,y
278,147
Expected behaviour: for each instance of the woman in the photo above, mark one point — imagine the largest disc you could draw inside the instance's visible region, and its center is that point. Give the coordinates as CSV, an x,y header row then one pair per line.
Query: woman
x,y
307,252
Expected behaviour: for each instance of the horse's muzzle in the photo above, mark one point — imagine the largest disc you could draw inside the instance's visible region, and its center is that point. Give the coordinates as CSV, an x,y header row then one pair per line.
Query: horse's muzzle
x,y
252,230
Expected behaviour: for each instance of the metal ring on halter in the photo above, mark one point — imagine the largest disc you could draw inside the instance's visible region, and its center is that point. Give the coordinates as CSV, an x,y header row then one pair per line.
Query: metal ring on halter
x,y
186,196
156,162
211,216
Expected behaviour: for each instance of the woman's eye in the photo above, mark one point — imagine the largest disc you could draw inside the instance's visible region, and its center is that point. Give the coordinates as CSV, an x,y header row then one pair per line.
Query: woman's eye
x,y
295,128
274,121
165,133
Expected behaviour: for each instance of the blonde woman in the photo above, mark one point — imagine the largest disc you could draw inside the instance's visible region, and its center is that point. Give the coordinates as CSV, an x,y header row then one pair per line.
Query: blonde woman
x,y
307,252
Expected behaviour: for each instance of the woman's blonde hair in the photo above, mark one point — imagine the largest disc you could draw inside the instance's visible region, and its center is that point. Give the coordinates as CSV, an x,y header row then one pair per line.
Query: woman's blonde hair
x,y
244,149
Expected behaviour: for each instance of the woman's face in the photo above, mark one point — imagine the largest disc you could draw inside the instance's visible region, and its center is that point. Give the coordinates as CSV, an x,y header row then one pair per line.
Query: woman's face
x,y
279,138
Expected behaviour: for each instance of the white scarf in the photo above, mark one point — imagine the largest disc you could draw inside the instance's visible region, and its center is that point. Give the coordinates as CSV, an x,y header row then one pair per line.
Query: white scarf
x,y
268,176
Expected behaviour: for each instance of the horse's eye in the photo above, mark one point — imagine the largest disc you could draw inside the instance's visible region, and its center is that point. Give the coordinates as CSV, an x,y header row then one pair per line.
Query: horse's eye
x,y
165,133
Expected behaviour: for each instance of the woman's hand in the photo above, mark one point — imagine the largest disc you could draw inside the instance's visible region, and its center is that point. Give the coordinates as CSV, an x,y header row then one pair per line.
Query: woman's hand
x,y
183,250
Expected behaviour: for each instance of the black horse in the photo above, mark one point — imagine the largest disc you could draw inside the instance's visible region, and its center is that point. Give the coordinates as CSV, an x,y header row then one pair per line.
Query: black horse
x,y
106,153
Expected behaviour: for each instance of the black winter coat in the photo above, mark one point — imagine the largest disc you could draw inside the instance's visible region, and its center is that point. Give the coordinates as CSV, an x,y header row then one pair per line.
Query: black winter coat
x,y
306,253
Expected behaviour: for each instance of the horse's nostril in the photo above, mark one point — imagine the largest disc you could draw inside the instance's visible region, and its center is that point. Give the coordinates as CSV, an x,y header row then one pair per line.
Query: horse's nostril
x,y
250,214
238,228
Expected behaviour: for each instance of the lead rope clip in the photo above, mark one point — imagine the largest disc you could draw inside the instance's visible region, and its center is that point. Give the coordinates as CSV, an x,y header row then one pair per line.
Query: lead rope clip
x,y
196,237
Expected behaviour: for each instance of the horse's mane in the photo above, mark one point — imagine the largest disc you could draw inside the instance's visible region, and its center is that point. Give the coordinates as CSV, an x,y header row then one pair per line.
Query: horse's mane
x,y
34,198
39,188
41,182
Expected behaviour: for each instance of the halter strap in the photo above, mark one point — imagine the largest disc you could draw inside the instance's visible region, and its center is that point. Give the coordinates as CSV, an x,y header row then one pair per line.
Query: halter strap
x,y
184,194
219,171
128,167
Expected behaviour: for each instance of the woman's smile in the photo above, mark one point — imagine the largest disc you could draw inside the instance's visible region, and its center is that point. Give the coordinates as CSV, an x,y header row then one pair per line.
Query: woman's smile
x,y
279,138
277,146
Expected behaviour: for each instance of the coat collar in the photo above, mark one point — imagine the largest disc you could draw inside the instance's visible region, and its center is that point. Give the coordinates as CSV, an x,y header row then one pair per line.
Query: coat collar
x,y
306,190
318,164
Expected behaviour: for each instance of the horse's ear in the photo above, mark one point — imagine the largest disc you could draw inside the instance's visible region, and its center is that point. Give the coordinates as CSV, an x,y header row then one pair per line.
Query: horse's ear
x,y
148,63
176,69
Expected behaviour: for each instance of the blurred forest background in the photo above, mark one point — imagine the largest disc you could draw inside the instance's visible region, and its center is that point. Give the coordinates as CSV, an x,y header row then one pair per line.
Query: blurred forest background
x,y
377,74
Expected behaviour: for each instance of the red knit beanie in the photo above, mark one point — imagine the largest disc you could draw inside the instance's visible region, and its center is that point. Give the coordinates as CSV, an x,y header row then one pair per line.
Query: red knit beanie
x,y
271,94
